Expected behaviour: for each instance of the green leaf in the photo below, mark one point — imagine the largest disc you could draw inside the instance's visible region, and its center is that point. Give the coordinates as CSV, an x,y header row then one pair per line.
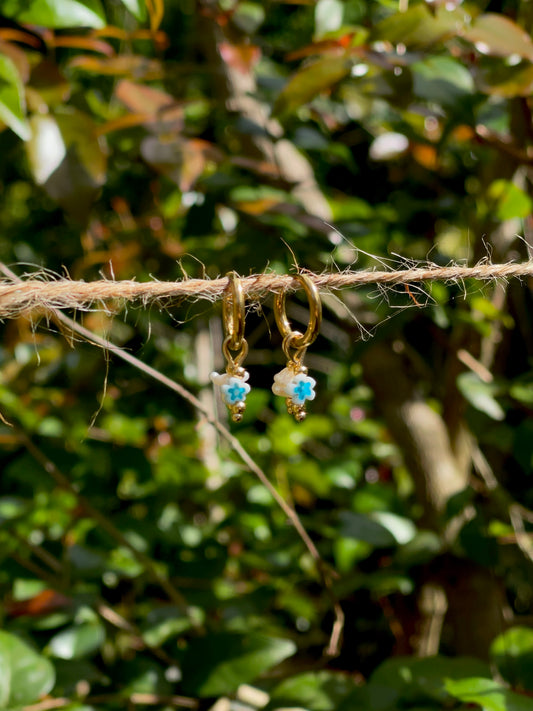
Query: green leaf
x,y
67,158
507,81
523,392
144,676
124,562
316,691
125,430
405,681
69,673
480,395
348,551
220,663
163,623
363,528
137,8
357,700
12,101
79,134
511,201
387,582
498,35
248,16
401,26
442,80
77,641
416,27
512,653
486,306
374,497
11,507
328,16
311,81
24,674
403,529
490,695
424,546
56,13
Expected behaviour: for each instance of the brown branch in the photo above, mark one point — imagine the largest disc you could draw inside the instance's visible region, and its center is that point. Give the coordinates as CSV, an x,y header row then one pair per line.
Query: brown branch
x,y
504,145
419,431
33,568
39,552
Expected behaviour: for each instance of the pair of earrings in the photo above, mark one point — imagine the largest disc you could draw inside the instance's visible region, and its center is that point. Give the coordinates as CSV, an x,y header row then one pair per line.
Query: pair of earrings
x,y
293,383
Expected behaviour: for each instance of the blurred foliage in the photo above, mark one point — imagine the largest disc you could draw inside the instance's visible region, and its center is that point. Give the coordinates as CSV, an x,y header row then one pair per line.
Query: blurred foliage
x,y
141,562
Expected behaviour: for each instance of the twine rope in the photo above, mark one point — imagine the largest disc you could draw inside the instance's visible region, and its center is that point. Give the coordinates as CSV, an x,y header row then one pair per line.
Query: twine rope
x,y
33,292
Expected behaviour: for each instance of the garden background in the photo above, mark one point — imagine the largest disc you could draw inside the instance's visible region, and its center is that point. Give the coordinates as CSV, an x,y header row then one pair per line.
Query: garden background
x,y
144,564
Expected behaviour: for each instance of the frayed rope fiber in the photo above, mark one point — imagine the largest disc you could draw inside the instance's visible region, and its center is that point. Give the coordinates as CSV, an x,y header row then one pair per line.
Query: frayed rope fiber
x,y
18,296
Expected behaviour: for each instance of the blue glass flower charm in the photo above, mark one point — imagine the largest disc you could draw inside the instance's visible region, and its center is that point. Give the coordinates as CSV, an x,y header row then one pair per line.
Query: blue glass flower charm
x,y
297,387
301,388
293,383
233,389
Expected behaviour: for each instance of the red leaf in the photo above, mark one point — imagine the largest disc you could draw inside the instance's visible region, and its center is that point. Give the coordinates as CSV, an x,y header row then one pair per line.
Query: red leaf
x,y
142,99
327,46
159,38
183,161
94,45
10,34
242,57
220,18
43,603
127,65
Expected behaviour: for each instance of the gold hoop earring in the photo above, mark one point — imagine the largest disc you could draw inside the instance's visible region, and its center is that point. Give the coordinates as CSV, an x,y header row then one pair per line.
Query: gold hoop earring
x,y
232,383
292,382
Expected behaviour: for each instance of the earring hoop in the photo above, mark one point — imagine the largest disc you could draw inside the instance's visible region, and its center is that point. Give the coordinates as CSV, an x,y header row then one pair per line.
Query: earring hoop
x,y
297,339
232,383
293,383
233,312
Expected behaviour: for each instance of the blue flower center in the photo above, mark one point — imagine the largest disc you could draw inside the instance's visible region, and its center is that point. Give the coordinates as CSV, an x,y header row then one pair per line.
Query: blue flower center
x,y
303,390
236,393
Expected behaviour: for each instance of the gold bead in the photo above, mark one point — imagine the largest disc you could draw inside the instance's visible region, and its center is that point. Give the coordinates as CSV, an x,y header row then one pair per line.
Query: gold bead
x,y
300,415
